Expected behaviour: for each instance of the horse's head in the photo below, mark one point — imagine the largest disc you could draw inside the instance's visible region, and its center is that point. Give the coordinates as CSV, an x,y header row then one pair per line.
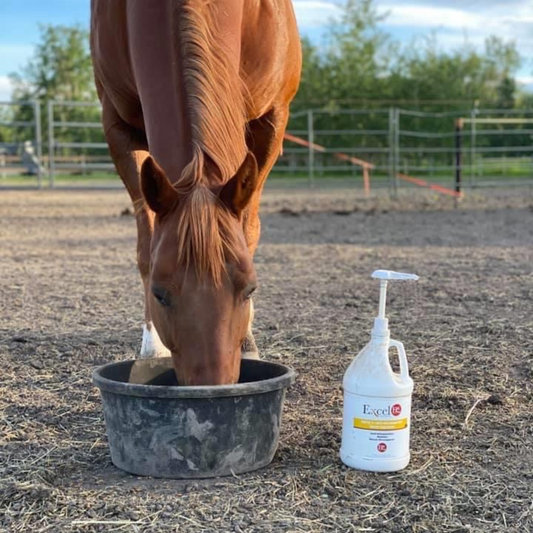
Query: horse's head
x,y
201,273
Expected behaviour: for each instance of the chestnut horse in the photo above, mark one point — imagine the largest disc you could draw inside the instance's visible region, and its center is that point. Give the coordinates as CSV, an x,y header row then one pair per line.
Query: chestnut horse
x,y
195,97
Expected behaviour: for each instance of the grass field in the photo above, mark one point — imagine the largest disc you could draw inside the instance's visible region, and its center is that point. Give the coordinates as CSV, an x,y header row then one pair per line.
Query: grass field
x,y
497,174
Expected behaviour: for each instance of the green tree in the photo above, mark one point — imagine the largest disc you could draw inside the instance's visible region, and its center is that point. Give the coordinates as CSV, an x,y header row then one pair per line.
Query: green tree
x,y
349,65
313,84
359,53
459,77
6,116
59,70
360,64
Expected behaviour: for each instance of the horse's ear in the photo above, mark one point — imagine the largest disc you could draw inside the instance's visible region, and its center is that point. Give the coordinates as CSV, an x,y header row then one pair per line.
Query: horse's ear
x,y
237,192
157,190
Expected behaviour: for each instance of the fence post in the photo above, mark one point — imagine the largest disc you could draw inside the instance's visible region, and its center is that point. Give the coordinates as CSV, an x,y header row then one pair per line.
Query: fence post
x,y
311,153
38,141
395,134
366,180
458,153
391,150
473,147
51,148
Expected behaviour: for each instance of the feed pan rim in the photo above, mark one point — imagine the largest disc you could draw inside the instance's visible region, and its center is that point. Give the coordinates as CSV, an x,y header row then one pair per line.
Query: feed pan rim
x,y
200,391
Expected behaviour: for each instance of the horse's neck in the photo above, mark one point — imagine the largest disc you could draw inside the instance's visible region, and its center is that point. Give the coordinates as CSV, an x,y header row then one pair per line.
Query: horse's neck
x,y
158,65
159,88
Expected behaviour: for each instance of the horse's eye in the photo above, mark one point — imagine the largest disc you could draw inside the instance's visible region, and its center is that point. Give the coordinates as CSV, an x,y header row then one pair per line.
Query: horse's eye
x,y
162,296
249,291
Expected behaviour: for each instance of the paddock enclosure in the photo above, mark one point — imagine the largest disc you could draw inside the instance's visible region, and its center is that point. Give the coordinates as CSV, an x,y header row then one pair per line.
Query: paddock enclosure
x,y
61,145
70,299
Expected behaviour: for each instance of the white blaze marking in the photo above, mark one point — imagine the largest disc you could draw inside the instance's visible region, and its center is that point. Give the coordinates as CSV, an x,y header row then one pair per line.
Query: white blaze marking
x,y
151,345
250,355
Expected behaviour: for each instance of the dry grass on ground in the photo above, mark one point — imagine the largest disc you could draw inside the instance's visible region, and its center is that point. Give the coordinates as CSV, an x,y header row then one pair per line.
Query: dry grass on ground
x,y
70,300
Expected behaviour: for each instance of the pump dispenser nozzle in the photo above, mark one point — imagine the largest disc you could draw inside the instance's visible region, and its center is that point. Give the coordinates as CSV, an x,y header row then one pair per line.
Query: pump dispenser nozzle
x,y
381,323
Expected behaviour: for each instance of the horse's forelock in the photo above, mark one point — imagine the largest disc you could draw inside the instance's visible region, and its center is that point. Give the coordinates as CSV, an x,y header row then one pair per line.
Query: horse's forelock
x,y
205,232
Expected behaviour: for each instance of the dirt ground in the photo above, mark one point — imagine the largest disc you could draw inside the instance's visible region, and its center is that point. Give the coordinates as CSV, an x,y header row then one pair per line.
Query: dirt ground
x,y
70,300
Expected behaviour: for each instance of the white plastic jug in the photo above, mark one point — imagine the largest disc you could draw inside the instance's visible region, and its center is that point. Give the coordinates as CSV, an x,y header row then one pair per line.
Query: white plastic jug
x,y
377,400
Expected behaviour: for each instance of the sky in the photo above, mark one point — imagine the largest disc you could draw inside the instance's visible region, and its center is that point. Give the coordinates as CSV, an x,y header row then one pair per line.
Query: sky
x,y
454,21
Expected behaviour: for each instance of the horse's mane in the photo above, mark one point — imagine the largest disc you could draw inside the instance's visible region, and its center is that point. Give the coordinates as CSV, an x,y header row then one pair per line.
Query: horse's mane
x,y
215,104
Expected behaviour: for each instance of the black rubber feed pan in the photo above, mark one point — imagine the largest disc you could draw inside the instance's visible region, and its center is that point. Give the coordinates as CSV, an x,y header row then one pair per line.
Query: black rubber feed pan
x,y
157,428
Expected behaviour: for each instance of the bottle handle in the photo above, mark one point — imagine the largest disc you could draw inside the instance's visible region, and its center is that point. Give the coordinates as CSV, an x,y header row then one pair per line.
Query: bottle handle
x,y
404,367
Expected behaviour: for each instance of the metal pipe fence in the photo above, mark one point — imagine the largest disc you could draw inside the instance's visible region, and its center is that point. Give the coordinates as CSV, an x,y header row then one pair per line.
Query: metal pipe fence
x,y
77,152
21,144
378,148
459,152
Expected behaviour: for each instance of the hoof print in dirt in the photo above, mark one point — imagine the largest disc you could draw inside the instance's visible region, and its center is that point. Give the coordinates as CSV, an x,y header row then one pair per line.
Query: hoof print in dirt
x,y
286,212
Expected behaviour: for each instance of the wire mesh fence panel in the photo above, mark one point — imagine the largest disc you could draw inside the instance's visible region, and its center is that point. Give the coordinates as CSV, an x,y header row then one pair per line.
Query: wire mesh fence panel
x,y
364,149
78,155
342,147
470,148
456,149
500,148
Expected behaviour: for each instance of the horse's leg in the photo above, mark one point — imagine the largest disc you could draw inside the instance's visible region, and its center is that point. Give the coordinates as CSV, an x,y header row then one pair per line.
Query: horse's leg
x,y
128,148
265,140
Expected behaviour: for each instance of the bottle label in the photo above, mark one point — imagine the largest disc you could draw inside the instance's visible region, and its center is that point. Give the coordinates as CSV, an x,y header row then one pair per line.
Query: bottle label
x,y
376,428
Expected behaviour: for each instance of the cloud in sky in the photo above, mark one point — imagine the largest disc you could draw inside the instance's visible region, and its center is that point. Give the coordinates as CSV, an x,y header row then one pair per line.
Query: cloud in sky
x,y
510,19
514,23
5,89
313,13
525,80
416,16
455,21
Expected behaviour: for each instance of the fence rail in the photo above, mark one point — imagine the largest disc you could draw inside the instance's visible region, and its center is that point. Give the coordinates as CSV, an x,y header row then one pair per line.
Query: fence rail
x,y
367,148
23,152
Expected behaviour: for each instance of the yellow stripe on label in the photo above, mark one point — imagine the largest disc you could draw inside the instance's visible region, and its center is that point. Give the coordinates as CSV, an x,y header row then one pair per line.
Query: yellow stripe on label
x,y
386,425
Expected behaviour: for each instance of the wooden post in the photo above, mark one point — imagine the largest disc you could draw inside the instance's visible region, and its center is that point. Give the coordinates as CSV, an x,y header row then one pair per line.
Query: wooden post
x,y
366,180
311,152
